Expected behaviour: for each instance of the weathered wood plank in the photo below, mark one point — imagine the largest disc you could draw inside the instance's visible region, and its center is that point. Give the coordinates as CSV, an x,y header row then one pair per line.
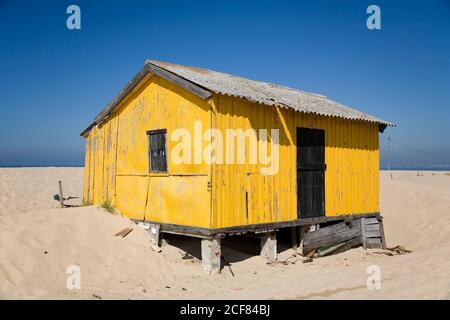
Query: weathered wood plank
x,y
373,243
363,233
352,243
202,232
332,229
341,247
373,227
373,234
383,239
329,250
332,235
124,232
371,220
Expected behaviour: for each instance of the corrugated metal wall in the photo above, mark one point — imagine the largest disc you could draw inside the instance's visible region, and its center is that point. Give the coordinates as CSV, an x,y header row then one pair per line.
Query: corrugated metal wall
x,y
242,195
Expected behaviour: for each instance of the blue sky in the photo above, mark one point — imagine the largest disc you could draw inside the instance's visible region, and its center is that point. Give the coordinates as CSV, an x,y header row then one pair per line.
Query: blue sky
x,y
54,81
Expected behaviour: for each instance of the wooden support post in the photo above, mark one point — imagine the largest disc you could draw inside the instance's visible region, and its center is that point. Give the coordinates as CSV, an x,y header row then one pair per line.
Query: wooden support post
x,y
363,233
383,239
61,197
294,238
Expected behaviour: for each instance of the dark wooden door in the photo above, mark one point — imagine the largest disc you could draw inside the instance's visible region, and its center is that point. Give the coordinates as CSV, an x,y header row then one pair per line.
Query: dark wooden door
x,y
310,172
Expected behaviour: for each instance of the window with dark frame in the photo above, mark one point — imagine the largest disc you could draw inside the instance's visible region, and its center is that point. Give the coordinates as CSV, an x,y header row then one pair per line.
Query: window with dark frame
x,y
157,150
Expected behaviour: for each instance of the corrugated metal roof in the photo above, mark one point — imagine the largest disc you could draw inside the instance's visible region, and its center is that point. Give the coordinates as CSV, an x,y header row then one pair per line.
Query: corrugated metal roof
x,y
266,93
203,81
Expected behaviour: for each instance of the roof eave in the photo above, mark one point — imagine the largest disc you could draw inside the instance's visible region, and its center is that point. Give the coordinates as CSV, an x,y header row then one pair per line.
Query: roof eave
x,y
148,68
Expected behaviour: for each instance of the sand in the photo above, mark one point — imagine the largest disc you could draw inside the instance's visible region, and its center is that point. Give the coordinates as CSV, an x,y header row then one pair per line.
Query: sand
x,y
39,242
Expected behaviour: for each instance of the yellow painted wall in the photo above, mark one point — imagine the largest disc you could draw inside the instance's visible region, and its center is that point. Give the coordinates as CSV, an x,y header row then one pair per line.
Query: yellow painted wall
x,y
117,162
117,158
351,177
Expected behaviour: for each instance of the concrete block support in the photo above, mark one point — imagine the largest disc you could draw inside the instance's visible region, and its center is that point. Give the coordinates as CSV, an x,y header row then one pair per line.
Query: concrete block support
x,y
155,234
269,246
153,230
211,253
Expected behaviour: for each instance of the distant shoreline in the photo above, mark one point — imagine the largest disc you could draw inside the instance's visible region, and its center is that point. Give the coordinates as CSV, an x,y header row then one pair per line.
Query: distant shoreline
x,y
417,169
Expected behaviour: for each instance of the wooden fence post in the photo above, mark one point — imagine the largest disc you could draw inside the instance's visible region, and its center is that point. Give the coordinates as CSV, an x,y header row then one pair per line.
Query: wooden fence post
x,y
61,198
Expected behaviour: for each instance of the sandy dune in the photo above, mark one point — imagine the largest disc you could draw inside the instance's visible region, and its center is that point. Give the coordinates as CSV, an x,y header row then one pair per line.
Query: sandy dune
x,y
32,189
39,241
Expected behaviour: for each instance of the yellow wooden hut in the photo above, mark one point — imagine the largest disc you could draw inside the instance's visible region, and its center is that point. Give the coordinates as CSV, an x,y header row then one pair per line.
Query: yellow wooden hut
x,y
176,149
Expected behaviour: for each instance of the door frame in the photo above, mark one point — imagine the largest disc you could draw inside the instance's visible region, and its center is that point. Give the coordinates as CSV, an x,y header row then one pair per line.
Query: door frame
x,y
297,171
